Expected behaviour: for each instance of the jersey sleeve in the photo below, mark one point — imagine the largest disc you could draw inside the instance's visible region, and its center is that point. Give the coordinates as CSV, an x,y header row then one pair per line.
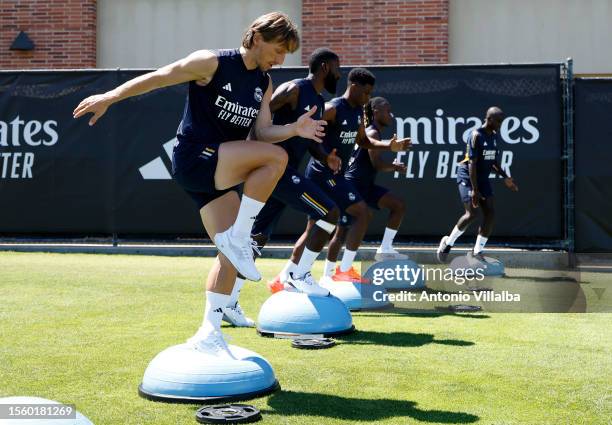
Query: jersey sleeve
x,y
476,150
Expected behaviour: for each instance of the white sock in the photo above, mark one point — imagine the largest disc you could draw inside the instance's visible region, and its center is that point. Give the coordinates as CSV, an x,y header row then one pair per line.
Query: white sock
x,y
330,268
454,236
247,213
481,241
347,260
213,311
306,261
387,241
235,292
289,267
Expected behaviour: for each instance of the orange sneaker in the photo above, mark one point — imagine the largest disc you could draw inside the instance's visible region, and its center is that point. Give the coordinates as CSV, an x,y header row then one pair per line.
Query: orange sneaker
x,y
275,285
357,276
351,275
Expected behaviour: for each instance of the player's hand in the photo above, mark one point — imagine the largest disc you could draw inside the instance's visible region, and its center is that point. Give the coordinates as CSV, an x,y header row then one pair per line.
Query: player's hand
x,y
476,198
400,145
399,166
308,128
334,162
510,184
96,105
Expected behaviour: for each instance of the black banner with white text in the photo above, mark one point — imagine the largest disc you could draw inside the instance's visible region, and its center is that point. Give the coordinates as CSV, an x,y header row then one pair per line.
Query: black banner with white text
x,y
60,176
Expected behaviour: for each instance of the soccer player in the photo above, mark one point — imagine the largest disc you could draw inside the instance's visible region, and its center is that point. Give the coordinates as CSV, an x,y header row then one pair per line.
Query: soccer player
x,y
482,156
228,98
362,169
345,128
289,102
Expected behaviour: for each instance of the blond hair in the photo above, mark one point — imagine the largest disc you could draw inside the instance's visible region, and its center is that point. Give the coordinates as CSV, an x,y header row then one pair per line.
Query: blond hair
x,y
273,27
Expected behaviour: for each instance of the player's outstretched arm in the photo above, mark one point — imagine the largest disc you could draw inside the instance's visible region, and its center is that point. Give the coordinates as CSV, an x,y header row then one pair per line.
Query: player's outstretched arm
x,y
199,66
394,144
376,157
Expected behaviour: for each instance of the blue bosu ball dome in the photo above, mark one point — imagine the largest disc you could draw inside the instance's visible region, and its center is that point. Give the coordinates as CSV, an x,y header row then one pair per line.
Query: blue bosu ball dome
x,y
290,312
490,267
359,296
182,374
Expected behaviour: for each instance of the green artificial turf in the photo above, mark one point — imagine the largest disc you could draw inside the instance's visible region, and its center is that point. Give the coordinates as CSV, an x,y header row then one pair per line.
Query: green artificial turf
x,y
81,328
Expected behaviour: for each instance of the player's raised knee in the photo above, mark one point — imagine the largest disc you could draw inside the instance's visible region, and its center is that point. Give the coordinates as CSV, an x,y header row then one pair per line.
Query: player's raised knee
x,y
279,159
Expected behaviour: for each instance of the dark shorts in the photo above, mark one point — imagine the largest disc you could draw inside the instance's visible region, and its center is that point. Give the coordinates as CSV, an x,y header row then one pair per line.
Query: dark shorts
x,y
371,193
465,190
296,191
339,189
193,168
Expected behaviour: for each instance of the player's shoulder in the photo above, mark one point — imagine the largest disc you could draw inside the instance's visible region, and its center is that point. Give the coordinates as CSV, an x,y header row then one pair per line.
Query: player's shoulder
x,y
289,87
332,103
477,132
476,135
210,54
373,133
371,130
335,102
203,64
287,93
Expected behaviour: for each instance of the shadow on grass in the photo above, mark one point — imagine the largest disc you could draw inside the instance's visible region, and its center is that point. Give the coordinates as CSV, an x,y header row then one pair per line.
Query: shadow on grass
x,y
295,403
554,279
398,339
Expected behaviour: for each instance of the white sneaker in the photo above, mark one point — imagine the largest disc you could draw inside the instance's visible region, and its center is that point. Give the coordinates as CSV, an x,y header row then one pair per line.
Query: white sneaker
x,y
443,249
326,281
235,316
307,285
212,343
383,254
239,251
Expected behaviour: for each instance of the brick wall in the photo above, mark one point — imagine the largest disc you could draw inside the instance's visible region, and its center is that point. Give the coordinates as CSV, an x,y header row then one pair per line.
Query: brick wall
x,y
63,32
377,31
360,31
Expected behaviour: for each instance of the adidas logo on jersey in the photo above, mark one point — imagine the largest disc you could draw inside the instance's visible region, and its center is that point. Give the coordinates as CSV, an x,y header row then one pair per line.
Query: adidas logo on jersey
x,y
228,87
307,108
344,122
